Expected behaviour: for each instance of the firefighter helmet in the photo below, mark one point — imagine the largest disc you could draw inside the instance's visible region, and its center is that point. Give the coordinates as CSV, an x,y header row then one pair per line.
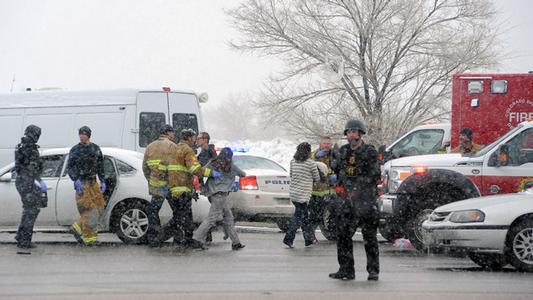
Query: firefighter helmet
x,y
354,124
165,128
187,133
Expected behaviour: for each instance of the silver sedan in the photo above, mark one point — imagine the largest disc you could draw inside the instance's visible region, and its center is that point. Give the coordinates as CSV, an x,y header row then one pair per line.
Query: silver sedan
x,y
494,230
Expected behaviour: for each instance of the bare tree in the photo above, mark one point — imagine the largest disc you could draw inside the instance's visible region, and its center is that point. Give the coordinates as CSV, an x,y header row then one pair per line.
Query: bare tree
x,y
388,62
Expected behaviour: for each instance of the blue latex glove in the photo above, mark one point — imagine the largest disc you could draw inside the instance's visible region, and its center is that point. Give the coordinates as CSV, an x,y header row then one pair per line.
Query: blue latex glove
x,y
235,186
43,186
333,177
215,174
320,154
164,191
103,186
78,186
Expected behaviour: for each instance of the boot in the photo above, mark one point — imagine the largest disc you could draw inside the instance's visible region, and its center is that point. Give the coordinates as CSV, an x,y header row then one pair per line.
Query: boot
x,y
342,276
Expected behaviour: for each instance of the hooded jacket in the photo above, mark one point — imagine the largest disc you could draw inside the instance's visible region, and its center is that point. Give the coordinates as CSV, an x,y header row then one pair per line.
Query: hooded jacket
x,y
28,164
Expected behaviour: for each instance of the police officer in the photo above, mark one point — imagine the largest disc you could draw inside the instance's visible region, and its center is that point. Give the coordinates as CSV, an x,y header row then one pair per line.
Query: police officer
x,y
183,165
85,163
155,168
207,151
358,172
28,166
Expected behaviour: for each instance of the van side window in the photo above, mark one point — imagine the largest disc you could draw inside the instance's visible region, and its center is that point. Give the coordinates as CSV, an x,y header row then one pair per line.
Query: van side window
x,y
149,124
184,121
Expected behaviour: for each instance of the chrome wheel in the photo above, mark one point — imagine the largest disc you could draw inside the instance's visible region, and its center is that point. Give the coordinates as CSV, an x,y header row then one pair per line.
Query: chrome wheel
x,y
134,223
523,246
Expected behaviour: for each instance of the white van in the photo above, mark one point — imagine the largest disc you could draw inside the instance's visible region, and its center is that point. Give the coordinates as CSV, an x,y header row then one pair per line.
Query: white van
x,y
126,118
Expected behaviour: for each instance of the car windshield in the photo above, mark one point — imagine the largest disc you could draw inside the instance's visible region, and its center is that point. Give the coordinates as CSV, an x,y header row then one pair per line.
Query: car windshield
x,y
486,149
254,162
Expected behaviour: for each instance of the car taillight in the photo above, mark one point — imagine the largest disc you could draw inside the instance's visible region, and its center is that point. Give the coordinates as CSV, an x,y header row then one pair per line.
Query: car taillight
x,y
248,183
196,183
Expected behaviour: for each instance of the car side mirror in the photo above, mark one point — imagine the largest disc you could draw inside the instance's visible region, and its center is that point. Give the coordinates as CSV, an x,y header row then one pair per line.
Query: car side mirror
x,y
503,155
6,177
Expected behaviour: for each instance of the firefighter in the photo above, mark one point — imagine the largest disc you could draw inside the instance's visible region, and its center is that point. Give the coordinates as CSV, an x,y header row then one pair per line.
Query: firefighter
x,y
28,166
85,163
155,164
466,144
324,189
358,172
182,167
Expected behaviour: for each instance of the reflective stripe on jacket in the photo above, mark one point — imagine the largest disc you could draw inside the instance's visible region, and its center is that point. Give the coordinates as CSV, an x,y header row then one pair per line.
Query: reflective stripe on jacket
x,y
182,168
155,163
324,186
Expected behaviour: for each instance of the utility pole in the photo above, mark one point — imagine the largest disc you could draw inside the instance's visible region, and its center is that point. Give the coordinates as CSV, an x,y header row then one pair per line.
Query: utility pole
x,y
12,83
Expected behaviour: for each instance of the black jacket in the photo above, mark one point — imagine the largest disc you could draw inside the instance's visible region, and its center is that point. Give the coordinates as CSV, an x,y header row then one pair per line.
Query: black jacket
x,y
207,154
28,163
85,162
359,170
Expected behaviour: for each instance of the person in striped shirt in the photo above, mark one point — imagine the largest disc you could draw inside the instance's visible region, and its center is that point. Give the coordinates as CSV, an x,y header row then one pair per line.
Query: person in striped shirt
x,y
303,172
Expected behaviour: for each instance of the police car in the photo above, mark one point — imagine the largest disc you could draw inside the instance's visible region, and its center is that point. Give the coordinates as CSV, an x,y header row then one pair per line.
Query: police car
x,y
126,196
494,230
264,193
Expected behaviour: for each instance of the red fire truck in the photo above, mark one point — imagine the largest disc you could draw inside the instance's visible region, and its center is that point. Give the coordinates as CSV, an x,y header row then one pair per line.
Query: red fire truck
x,y
498,108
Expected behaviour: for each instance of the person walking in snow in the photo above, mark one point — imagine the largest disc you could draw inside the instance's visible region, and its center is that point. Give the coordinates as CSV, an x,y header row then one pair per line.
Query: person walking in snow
x,y
218,189
28,166
303,172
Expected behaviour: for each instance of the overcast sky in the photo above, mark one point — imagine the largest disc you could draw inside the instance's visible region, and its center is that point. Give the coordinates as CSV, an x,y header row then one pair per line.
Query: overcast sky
x,y
79,44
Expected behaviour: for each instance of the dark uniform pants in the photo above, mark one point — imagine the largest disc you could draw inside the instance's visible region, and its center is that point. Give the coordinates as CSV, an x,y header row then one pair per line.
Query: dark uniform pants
x,y
180,225
352,214
154,223
30,210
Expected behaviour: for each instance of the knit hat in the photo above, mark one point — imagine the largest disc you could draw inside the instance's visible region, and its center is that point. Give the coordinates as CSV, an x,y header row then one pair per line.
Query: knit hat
x,y
85,130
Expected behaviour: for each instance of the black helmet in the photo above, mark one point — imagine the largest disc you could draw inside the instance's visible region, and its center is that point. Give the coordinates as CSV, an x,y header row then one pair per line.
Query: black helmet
x,y
165,128
354,124
187,133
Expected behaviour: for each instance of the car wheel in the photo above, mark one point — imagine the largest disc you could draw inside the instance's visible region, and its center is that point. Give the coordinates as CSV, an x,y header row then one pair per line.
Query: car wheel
x,y
492,261
131,222
414,230
283,224
520,245
328,225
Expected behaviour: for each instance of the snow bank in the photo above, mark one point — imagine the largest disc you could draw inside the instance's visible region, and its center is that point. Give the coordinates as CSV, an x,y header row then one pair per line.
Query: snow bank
x,y
279,150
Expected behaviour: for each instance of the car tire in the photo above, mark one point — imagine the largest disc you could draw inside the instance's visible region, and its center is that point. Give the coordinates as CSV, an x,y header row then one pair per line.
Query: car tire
x,y
492,261
131,222
519,245
328,225
389,233
283,224
414,229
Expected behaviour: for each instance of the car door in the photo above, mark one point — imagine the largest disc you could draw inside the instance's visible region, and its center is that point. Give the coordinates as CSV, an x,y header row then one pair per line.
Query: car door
x,y
67,210
10,203
517,174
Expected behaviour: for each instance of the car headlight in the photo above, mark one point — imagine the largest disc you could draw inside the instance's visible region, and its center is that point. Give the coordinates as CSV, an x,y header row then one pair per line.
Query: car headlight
x,y
467,216
396,177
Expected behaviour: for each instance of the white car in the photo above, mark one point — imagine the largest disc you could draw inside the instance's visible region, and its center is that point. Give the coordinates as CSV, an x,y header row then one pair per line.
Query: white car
x,y
494,230
264,193
126,196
